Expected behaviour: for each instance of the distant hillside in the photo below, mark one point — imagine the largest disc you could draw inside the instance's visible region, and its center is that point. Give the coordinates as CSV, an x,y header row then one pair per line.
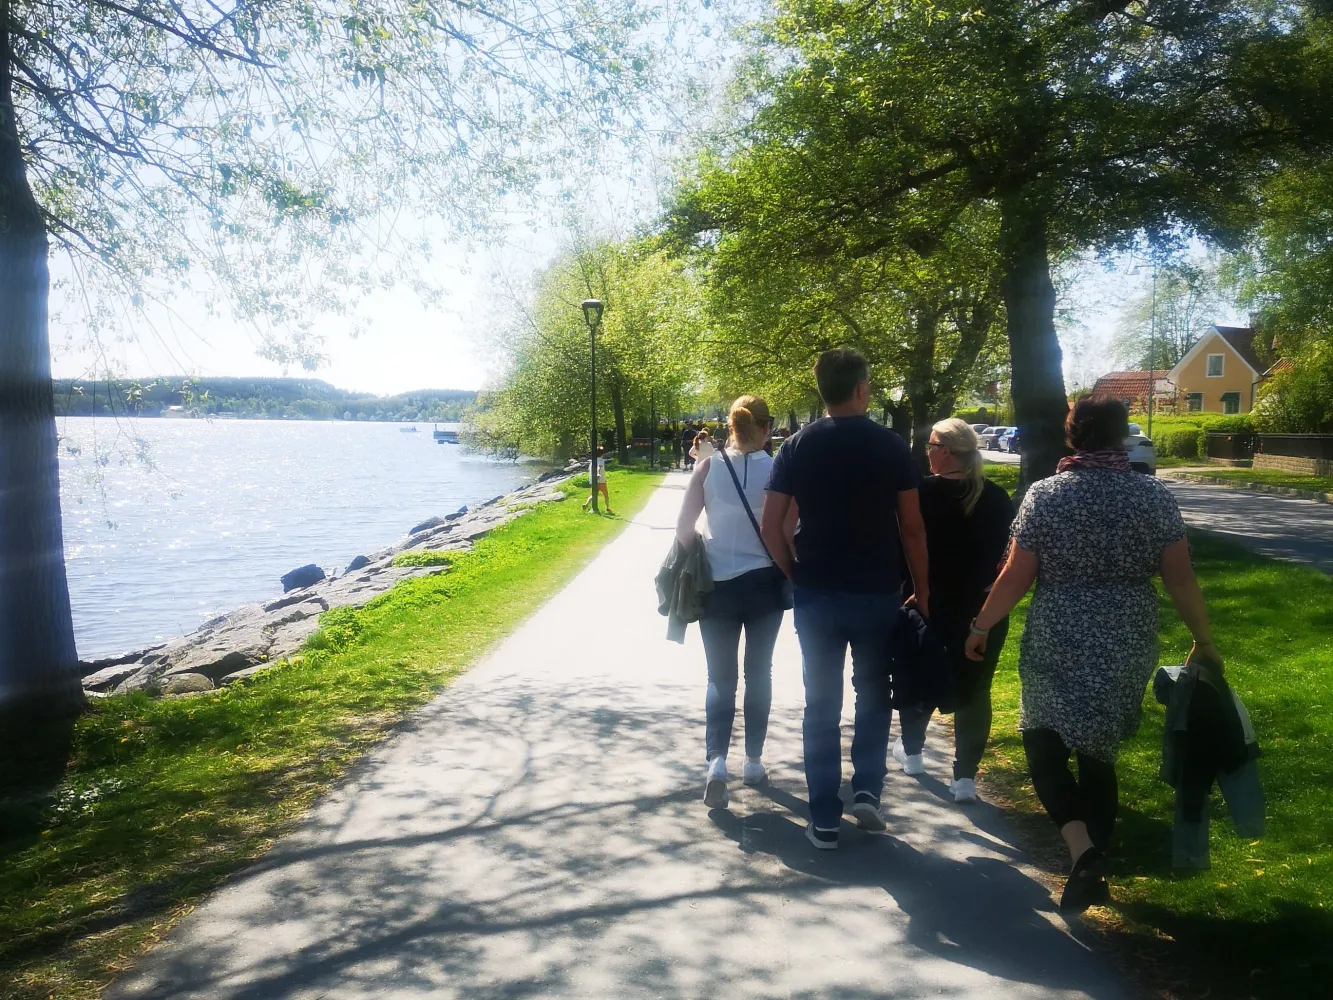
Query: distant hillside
x,y
271,398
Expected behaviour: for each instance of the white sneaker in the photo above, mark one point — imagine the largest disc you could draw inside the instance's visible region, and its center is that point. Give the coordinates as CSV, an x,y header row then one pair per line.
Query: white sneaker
x,y
912,763
753,773
715,788
964,790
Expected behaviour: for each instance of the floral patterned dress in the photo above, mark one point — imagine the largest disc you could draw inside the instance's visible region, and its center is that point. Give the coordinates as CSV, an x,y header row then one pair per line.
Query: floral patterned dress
x,y
1090,643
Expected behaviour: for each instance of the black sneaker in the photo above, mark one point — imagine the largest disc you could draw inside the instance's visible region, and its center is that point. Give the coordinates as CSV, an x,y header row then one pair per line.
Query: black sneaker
x,y
865,809
825,840
1087,883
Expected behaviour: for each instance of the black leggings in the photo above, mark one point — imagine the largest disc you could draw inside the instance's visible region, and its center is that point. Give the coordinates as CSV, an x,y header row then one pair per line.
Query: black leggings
x,y
1092,797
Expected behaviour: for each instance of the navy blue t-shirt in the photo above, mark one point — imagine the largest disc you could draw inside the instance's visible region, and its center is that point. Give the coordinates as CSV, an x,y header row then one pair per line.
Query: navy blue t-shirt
x,y
845,474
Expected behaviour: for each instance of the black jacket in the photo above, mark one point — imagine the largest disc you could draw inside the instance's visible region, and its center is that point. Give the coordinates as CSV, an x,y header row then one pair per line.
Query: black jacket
x,y
922,672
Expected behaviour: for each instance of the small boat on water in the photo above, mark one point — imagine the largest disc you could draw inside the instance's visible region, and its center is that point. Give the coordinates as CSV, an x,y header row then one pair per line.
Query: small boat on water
x,y
449,435
412,429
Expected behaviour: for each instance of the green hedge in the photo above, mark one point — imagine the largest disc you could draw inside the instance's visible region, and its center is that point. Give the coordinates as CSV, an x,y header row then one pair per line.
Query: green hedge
x,y
1163,424
1183,442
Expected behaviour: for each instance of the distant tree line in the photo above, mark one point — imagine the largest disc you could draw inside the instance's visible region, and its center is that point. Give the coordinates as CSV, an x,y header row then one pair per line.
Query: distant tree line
x,y
254,398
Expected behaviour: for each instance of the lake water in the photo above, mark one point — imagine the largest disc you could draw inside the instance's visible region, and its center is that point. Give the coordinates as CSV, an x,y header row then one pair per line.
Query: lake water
x,y
168,522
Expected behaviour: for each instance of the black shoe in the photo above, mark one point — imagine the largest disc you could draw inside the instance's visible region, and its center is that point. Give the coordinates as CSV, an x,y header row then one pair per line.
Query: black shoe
x,y
1087,883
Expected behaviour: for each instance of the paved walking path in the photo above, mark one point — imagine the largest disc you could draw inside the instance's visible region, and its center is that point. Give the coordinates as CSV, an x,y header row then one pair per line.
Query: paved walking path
x,y
1298,531
537,832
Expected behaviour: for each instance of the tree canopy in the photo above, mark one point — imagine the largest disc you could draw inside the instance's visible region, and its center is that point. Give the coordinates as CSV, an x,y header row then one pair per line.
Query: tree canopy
x,y
1081,124
646,349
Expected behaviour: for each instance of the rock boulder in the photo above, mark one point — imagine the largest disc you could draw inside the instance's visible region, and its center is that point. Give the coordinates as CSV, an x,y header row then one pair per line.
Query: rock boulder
x,y
302,576
186,684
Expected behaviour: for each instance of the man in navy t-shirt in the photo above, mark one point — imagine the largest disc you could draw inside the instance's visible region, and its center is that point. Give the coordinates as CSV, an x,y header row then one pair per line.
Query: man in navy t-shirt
x,y
855,489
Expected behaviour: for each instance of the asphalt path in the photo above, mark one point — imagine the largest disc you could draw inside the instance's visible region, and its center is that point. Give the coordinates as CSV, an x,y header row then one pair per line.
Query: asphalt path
x,y
1299,531
538,831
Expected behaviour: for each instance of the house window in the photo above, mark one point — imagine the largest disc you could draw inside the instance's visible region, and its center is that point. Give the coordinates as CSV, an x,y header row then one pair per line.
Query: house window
x,y
1230,402
1215,365
1194,401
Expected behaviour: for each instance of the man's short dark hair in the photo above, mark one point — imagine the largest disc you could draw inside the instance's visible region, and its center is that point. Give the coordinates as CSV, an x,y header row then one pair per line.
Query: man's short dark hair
x,y
1097,424
838,372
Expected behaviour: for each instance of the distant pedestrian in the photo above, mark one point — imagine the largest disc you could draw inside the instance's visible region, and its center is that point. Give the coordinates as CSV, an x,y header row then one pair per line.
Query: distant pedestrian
x,y
967,520
703,446
749,592
1091,537
686,444
675,448
855,487
601,481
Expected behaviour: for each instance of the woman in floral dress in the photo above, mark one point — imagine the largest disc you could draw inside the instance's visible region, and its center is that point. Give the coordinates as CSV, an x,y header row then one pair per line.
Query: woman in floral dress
x,y
1091,537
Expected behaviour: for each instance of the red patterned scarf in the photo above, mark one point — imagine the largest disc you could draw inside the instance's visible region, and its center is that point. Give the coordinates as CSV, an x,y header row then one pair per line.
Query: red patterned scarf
x,y
1107,458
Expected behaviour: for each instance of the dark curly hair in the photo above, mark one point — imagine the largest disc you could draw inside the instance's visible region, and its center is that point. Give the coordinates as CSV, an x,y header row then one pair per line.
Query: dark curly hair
x,y
1097,424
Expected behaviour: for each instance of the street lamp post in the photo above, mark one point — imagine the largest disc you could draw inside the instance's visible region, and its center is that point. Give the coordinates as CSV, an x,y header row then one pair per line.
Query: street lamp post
x,y
592,315
652,427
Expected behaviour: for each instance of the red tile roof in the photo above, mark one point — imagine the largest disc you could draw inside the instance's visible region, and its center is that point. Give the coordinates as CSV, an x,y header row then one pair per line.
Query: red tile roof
x,y
1126,385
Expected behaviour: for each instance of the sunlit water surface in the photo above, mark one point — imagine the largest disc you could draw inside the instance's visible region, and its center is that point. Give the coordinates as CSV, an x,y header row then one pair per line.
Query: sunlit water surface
x,y
168,522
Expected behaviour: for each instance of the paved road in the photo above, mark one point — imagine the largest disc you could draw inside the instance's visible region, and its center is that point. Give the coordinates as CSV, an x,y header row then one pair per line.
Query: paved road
x,y
538,832
1295,530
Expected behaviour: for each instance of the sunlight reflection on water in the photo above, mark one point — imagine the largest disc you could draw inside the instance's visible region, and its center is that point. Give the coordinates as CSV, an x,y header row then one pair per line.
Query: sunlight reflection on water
x,y
219,510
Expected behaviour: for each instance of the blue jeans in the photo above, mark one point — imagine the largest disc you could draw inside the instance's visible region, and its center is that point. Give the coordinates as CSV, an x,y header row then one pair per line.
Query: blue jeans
x,y
747,603
722,637
827,623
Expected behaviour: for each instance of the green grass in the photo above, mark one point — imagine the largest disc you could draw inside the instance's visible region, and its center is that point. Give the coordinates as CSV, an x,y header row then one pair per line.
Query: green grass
x,y
1260,922
162,799
1273,477
1003,475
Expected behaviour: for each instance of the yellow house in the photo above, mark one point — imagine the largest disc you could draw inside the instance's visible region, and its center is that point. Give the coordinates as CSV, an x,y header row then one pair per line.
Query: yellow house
x,y
1220,372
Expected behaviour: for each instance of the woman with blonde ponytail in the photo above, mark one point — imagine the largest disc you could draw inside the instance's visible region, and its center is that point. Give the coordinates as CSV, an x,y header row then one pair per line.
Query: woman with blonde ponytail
x,y
749,592
967,521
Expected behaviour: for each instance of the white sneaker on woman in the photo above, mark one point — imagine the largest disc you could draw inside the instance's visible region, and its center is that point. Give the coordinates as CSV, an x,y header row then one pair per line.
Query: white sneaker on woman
x,y
964,791
752,772
912,763
715,787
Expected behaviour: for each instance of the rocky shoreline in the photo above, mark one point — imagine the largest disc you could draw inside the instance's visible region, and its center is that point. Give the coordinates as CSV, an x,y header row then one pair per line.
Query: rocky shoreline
x,y
255,637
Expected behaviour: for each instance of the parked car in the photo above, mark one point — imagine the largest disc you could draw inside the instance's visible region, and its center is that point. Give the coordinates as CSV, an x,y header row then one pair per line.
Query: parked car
x,y
990,437
980,429
1142,453
1009,441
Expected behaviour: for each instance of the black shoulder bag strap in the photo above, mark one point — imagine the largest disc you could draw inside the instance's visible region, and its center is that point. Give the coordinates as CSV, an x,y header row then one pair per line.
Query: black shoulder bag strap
x,y
745,502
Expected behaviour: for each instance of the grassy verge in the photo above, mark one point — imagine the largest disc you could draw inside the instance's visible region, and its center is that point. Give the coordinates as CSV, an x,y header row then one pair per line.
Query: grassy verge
x,y
1003,475
160,800
1259,923
1173,462
1272,477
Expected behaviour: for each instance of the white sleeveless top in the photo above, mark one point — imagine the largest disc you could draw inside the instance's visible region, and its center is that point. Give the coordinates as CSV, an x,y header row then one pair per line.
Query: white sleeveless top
x,y
730,540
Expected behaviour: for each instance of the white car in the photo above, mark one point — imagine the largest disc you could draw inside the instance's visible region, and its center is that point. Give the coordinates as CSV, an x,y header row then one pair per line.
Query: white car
x,y
990,438
1142,454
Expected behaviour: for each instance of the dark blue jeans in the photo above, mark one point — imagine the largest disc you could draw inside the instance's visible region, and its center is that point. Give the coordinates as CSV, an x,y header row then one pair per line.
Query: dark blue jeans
x,y
827,623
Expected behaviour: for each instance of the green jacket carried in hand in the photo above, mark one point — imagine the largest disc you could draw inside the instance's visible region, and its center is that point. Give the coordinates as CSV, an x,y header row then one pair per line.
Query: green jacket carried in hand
x,y
682,583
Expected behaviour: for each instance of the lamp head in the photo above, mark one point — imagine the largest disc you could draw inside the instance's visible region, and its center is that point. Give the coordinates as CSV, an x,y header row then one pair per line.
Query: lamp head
x,y
592,311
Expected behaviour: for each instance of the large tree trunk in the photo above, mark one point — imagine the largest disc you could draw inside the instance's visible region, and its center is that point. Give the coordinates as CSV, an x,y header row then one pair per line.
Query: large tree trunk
x,y
900,419
920,387
38,665
1036,364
